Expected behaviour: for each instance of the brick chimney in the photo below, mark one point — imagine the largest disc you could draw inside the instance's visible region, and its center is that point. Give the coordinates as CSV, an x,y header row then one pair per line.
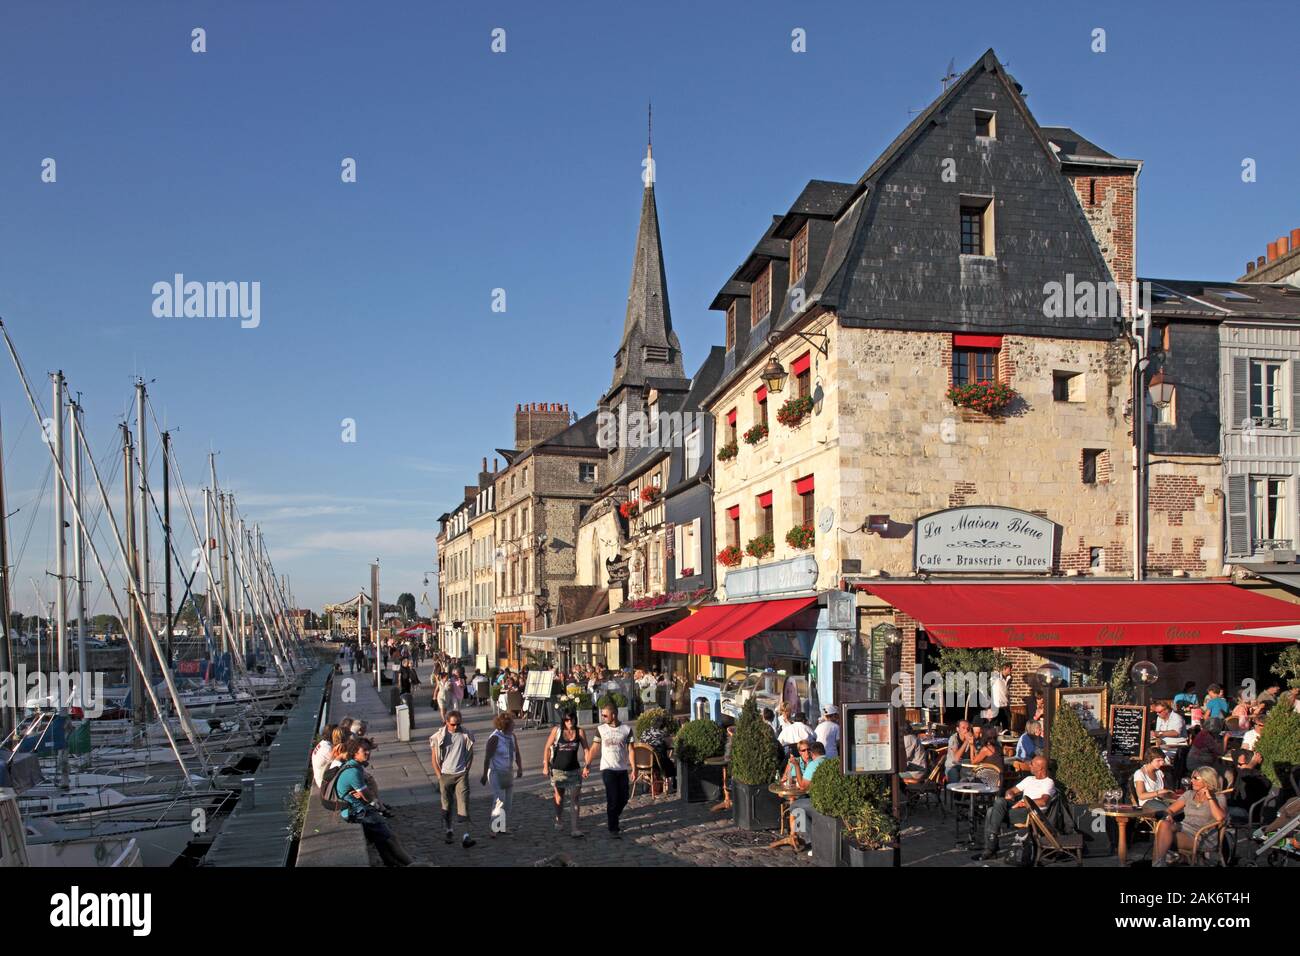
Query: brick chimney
x,y
538,421
1109,201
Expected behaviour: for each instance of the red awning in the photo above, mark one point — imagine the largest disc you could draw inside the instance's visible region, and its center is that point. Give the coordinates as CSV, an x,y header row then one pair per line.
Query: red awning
x,y
731,417
1133,614
765,500
720,630
761,393
960,341
801,364
804,486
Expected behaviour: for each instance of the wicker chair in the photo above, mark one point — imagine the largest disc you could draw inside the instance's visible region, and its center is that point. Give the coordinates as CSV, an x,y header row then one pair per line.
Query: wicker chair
x,y
644,768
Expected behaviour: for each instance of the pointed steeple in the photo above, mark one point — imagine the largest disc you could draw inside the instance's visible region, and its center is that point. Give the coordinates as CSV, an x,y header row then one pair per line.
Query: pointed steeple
x,y
649,348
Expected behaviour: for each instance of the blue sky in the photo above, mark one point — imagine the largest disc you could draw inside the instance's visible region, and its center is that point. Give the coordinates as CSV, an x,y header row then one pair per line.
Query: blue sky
x,y
519,171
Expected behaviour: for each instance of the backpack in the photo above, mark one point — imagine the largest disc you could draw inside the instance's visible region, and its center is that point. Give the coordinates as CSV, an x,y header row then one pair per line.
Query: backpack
x,y
329,797
1024,851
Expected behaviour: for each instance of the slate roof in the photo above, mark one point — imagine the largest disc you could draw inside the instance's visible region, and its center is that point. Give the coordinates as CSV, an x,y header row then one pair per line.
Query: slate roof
x,y
1192,298
1072,144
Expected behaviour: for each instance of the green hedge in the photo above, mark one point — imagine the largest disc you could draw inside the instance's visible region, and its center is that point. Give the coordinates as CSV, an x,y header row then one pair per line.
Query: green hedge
x,y
1279,744
698,740
835,794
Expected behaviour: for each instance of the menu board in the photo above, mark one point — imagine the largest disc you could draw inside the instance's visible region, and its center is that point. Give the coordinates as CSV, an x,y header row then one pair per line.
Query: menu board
x,y
868,746
1128,730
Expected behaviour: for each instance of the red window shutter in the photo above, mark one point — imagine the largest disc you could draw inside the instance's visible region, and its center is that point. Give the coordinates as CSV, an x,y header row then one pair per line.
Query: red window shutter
x,y
976,341
801,364
761,394
765,500
731,417
804,486
733,512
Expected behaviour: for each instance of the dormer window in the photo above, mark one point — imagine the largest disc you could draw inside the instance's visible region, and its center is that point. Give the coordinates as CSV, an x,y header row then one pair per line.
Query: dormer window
x,y
799,255
986,124
762,296
731,326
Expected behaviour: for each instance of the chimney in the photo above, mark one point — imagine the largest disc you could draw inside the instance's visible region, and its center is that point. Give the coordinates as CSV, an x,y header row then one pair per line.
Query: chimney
x,y
1283,246
1272,251
535,422
1259,263
1295,239
1250,267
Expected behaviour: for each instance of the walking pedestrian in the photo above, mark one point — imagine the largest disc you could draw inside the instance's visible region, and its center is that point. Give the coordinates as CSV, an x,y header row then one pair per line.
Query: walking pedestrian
x,y
613,742
501,752
561,762
407,679
452,753
445,695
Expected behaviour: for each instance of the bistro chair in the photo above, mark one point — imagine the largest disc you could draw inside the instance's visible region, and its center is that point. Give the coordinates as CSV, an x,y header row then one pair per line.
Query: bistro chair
x,y
1052,845
928,787
1214,844
644,768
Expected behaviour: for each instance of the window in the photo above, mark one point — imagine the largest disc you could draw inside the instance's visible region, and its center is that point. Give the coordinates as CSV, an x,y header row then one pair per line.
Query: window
x,y
802,370
806,501
1094,559
762,296
971,365
986,124
688,548
765,524
656,574
523,481
1268,514
1266,394
1067,386
730,433
586,472
733,526
977,227
799,255
691,454
1162,414
1091,458
760,406
731,326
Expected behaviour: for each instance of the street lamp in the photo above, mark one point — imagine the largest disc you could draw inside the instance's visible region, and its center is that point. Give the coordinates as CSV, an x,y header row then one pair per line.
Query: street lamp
x,y
1144,674
1049,678
773,375
1161,392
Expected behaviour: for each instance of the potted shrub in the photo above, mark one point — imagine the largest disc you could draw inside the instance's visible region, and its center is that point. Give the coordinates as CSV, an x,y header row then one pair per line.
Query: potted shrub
x,y
756,434
612,699
991,398
835,799
730,556
697,741
728,451
794,410
1279,744
755,763
760,547
871,837
801,537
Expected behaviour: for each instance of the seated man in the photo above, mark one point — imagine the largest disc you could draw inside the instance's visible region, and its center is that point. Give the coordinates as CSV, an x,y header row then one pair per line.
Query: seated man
x,y
1171,729
812,755
961,745
918,758
1038,788
1030,743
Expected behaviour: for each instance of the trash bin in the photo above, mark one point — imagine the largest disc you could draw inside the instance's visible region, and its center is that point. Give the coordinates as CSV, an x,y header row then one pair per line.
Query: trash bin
x,y
701,710
407,701
403,722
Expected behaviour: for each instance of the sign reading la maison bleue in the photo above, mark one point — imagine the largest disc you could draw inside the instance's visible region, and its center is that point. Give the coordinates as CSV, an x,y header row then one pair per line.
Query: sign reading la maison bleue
x,y
984,538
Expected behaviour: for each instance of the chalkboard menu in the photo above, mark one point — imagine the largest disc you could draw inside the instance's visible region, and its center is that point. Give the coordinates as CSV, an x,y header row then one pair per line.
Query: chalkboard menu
x,y
1128,730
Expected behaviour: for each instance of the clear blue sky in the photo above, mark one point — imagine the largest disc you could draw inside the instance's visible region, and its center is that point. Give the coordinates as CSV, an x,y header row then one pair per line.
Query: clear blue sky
x,y
517,170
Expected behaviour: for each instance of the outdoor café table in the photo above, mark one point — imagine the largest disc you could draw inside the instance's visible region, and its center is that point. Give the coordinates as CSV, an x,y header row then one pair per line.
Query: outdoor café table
x,y
1122,814
976,791
725,803
788,795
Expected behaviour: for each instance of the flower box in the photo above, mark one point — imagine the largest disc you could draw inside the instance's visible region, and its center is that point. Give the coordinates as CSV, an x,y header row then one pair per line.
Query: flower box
x,y
801,537
794,410
761,546
629,509
728,452
650,494
756,434
991,398
730,556
687,572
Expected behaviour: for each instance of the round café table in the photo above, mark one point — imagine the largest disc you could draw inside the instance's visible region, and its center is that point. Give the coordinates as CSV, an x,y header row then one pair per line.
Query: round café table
x,y
976,791
788,797
1122,814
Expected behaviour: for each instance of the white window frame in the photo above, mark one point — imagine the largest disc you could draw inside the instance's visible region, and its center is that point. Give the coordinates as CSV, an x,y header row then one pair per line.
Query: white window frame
x,y
1267,401
1270,494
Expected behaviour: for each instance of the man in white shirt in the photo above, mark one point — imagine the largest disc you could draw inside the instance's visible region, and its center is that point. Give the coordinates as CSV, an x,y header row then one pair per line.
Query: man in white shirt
x,y
1039,788
1000,691
795,733
613,741
1171,729
828,731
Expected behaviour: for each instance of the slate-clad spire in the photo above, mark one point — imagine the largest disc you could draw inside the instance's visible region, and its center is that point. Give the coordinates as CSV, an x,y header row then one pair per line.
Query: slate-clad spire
x,y
649,348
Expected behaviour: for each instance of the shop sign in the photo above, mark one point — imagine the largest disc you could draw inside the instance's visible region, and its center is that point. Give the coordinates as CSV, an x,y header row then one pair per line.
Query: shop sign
x,y
984,539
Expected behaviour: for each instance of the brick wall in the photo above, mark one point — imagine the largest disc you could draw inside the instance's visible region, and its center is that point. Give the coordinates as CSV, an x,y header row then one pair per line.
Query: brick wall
x,y
1109,203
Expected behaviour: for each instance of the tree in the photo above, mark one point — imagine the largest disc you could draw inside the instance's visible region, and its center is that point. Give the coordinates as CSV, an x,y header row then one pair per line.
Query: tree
x,y
1279,744
1287,666
968,660
755,754
1121,680
106,623
406,603
1080,768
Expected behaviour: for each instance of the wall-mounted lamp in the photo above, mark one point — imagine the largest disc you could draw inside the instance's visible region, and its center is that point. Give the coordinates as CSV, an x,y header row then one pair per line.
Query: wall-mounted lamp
x,y
877,524
1161,392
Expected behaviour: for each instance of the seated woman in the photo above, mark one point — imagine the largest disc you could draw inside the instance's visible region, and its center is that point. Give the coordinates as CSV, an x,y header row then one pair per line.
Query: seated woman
x,y
1030,743
657,737
918,758
1149,782
1200,806
988,760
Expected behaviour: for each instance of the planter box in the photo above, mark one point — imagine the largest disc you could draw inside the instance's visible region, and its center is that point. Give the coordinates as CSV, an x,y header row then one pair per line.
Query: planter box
x,y
856,856
754,808
699,783
825,833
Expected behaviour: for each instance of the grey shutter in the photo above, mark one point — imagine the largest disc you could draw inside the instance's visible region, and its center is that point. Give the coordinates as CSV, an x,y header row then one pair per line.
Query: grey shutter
x,y
1238,515
1240,390
1295,396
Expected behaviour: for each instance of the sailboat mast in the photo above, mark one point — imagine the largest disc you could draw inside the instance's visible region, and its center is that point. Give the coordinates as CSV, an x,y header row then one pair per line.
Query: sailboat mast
x,y
79,561
138,713
167,542
142,451
243,621
8,711
60,539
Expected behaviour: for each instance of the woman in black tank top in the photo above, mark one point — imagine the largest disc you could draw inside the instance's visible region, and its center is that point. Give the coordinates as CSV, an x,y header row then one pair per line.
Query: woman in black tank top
x,y
562,760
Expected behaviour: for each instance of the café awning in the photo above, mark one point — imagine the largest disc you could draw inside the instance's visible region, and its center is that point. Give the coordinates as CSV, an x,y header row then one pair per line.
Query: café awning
x,y
547,638
720,630
1086,614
